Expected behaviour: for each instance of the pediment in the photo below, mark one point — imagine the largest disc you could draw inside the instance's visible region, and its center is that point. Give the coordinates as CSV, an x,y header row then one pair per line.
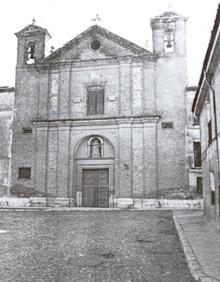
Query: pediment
x,y
96,43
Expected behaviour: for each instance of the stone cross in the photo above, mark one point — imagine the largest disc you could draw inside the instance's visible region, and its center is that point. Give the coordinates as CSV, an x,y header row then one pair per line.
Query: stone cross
x,y
96,19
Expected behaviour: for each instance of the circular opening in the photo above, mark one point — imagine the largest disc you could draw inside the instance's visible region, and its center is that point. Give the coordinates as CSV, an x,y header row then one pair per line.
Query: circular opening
x,y
95,45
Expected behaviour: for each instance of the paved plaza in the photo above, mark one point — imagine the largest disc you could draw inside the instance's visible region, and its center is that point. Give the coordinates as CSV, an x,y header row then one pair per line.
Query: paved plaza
x,y
91,246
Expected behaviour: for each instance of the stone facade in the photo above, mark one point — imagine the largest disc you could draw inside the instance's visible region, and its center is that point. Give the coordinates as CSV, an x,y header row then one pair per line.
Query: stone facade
x,y
206,107
6,117
141,129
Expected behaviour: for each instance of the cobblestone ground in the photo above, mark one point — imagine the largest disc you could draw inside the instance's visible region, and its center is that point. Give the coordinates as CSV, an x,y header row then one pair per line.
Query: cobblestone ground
x,y
91,246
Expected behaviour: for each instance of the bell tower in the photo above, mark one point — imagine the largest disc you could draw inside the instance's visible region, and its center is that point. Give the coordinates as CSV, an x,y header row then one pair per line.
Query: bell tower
x,y
169,47
169,34
31,44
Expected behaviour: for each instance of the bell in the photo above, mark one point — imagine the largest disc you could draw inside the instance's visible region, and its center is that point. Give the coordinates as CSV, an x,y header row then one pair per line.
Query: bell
x,y
169,44
32,52
169,38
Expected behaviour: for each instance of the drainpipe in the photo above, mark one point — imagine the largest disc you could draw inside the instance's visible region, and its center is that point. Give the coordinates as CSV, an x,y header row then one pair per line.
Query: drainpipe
x,y
209,83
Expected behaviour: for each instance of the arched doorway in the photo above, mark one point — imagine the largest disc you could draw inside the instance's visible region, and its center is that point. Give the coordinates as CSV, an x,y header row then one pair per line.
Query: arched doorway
x,y
94,167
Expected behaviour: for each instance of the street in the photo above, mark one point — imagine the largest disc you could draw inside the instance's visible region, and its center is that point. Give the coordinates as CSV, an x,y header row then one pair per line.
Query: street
x,y
91,246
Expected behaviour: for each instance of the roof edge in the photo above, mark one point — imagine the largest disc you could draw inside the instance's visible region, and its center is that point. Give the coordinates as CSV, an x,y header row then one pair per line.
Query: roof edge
x,y
207,56
6,89
116,38
31,29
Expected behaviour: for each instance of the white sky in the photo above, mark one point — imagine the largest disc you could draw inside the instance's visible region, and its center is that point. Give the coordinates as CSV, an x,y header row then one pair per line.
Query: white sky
x,y
65,19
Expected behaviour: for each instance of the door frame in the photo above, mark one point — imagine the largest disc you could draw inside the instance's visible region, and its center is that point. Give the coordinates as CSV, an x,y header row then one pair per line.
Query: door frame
x,y
79,187
95,176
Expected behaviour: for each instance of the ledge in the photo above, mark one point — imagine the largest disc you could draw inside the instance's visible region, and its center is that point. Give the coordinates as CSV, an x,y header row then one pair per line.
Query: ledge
x,y
98,120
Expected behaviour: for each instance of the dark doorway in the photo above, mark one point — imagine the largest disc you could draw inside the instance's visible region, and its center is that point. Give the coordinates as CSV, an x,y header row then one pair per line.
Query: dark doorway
x,y
95,188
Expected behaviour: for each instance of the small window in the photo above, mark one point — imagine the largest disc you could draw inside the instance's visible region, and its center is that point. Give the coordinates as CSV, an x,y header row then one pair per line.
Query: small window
x,y
166,125
195,120
95,147
210,132
26,130
95,44
212,186
24,173
199,185
212,197
197,154
95,101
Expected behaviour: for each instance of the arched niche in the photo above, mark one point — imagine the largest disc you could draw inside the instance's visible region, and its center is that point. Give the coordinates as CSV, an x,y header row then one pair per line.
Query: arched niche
x,y
94,147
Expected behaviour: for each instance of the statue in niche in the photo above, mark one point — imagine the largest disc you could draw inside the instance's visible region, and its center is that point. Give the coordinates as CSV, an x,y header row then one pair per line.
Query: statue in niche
x,y
95,148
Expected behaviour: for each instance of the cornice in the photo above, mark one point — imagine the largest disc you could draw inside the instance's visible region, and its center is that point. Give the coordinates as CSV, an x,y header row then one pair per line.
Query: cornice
x,y
147,119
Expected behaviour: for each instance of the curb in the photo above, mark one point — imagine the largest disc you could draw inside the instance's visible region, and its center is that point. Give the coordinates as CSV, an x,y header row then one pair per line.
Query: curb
x,y
85,209
19,209
191,259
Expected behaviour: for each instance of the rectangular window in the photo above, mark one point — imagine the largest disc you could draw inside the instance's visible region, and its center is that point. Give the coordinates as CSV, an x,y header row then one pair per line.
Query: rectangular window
x,y
26,130
212,197
195,120
24,173
166,125
212,186
199,185
197,154
95,101
210,132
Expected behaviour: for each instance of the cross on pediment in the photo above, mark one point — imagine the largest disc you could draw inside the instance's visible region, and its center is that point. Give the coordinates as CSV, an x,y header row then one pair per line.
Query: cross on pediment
x,y
96,19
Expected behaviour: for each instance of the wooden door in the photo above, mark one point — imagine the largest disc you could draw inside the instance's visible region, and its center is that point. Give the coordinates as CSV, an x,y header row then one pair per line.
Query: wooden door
x,y
95,188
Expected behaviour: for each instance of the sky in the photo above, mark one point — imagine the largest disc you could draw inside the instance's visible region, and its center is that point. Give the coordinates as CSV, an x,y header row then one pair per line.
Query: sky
x,y
65,19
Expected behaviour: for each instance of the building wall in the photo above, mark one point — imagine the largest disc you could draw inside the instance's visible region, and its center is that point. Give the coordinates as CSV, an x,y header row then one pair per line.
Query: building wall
x,y
6,115
210,164
129,89
171,105
141,93
124,85
135,140
133,175
192,135
25,107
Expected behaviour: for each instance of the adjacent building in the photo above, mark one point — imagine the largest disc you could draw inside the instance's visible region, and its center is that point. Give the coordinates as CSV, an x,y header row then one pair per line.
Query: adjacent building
x,y
101,121
206,107
6,118
193,147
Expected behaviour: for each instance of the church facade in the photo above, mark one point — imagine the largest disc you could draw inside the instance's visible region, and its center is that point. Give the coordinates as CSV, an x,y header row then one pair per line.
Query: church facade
x,y
101,121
